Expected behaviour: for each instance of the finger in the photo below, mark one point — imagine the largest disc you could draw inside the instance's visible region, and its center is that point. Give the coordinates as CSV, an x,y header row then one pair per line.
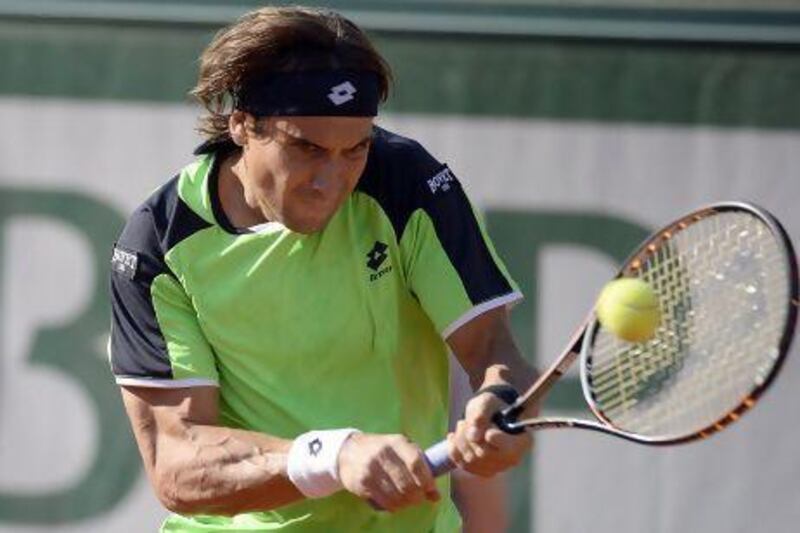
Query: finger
x,y
478,415
501,440
454,452
382,494
423,477
480,412
510,449
486,459
375,505
485,463
463,445
395,465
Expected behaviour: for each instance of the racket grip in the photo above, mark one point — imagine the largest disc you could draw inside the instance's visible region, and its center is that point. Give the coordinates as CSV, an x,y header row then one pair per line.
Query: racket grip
x,y
438,459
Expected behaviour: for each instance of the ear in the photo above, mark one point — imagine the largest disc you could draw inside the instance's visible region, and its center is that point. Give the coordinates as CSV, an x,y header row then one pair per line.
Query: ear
x,y
237,127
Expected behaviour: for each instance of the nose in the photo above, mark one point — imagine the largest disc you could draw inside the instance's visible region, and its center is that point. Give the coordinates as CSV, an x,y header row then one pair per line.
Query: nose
x,y
325,178
321,182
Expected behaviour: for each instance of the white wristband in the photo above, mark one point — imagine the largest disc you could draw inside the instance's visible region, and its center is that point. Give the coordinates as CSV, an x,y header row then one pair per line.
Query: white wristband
x,y
313,464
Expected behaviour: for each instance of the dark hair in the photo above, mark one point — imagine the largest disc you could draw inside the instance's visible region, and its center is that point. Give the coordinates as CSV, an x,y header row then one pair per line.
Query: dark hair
x,y
279,39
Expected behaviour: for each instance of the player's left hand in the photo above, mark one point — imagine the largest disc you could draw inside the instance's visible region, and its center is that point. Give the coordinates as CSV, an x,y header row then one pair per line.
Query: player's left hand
x,y
480,447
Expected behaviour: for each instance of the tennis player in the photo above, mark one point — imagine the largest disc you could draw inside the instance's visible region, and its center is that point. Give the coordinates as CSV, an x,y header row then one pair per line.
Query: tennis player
x,y
283,307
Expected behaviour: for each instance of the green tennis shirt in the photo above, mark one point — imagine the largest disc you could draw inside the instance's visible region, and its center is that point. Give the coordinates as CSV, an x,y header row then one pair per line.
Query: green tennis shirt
x,y
341,328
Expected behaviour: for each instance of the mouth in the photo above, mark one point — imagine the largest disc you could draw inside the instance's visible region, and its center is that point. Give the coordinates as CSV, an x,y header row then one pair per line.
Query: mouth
x,y
324,202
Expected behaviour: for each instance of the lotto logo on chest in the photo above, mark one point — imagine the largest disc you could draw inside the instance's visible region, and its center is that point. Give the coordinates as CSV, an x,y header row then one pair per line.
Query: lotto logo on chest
x,y
376,261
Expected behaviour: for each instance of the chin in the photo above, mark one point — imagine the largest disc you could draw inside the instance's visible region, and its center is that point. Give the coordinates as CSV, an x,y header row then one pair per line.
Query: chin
x,y
310,220
307,227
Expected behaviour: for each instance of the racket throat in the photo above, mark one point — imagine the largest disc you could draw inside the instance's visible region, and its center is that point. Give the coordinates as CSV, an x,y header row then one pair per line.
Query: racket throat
x,y
506,419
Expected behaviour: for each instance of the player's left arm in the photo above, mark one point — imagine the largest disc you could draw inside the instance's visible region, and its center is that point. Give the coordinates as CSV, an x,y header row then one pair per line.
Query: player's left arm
x,y
453,271
485,348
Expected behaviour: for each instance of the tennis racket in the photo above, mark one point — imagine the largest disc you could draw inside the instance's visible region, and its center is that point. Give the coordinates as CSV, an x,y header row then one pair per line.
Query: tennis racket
x,y
727,284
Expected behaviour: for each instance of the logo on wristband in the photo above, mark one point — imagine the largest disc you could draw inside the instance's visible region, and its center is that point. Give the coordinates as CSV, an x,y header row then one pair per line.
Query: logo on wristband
x,y
314,447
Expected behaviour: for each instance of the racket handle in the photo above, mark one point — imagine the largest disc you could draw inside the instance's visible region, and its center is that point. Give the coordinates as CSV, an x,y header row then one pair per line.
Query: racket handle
x,y
438,459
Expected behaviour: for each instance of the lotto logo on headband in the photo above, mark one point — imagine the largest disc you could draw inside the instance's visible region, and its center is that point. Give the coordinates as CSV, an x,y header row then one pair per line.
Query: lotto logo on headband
x,y
342,93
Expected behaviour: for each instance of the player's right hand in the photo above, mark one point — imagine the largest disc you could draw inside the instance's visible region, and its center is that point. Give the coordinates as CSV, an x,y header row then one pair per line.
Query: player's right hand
x,y
388,471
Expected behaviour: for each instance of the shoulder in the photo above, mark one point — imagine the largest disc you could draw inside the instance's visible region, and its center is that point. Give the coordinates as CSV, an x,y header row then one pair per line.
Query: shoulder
x,y
163,220
144,230
398,160
401,176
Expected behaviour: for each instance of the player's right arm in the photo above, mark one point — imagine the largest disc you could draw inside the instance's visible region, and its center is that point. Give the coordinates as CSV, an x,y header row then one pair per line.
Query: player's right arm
x,y
197,467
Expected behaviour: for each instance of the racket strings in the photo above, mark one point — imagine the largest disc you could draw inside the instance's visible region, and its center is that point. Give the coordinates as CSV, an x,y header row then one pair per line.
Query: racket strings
x,y
640,369
721,283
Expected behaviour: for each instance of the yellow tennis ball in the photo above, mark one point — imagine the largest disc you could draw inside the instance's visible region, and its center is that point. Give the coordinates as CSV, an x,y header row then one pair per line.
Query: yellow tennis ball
x,y
628,308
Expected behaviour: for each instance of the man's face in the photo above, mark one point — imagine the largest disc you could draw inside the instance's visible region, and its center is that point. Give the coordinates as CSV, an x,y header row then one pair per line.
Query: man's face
x,y
299,170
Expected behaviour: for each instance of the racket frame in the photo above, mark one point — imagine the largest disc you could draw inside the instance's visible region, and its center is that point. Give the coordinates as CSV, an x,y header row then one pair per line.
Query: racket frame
x,y
581,343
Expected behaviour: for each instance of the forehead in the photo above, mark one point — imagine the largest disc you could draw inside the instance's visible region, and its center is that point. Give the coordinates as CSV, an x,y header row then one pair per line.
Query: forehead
x,y
329,132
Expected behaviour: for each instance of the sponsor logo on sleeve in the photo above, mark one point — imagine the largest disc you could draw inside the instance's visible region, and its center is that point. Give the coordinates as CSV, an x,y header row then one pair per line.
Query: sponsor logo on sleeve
x,y
441,181
124,262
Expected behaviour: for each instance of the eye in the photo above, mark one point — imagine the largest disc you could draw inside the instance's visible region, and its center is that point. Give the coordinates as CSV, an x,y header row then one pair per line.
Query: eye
x,y
358,150
308,148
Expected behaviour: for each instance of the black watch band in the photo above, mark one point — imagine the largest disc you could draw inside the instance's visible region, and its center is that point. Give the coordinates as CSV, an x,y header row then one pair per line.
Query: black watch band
x,y
507,393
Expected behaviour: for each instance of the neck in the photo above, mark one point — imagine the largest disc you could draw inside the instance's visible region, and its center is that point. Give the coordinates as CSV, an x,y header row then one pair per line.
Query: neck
x,y
233,196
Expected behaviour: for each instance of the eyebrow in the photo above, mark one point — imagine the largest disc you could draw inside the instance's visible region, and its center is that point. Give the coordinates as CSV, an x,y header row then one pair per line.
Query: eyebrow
x,y
303,140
